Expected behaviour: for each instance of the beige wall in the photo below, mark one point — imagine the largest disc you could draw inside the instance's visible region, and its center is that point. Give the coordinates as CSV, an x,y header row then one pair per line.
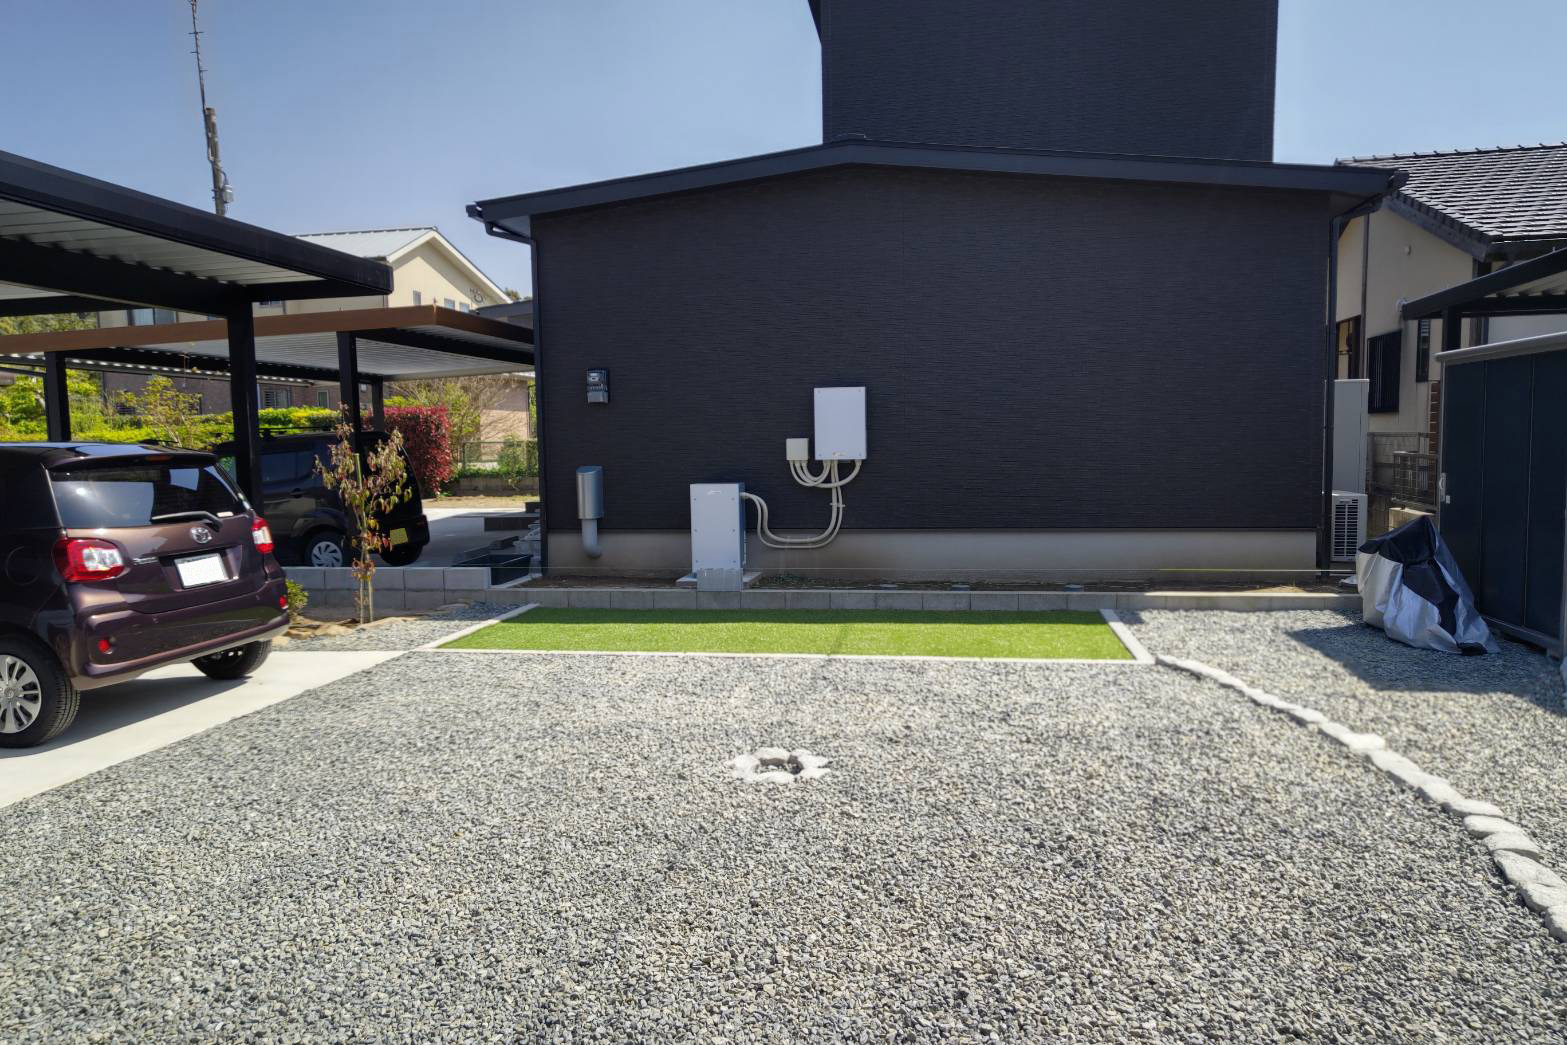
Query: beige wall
x,y
1405,262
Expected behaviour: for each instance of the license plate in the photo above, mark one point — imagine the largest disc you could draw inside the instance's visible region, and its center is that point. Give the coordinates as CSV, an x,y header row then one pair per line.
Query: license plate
x,y
201,569
398,536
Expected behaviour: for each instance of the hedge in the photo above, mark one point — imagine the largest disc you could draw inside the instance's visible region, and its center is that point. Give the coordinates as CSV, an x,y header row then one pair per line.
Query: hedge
x,y
427,436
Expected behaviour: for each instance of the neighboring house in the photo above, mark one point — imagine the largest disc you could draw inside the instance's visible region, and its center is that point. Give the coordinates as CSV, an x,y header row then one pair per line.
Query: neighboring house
x,y
426,270
1050,242
1460,215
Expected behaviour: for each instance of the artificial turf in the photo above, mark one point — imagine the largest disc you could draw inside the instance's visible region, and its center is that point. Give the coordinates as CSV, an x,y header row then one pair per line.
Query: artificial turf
x,y
902,633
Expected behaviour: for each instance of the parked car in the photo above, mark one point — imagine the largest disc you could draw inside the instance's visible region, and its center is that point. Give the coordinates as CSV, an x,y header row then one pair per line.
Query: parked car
x,y
308,521
118,560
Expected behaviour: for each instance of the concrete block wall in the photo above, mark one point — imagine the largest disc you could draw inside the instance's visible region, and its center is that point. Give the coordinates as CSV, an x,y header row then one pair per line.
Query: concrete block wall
x,y
425,588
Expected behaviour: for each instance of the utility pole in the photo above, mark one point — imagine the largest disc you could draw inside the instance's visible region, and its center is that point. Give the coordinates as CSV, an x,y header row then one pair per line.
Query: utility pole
x,y
222,195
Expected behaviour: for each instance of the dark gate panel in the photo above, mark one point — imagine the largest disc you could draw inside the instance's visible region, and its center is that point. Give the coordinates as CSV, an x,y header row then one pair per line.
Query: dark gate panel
x,y
1504,456
1463,463
1505,500
1547,495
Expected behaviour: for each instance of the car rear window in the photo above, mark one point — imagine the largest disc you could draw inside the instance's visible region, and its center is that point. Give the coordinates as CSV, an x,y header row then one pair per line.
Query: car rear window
x,y
139,494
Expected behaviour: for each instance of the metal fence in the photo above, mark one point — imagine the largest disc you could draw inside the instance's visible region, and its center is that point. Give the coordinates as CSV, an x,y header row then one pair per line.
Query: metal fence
x,y
521,457
1402,472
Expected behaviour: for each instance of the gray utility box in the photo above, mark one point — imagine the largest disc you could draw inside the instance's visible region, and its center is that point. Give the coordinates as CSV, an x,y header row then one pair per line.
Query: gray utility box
x,y
718,536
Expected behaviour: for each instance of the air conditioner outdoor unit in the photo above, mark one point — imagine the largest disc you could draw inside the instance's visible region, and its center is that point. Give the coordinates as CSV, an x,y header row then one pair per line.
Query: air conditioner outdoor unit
x,y
1349,525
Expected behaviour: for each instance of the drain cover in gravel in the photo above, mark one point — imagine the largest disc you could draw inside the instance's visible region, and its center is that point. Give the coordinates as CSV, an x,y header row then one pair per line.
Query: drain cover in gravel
x,y
774,765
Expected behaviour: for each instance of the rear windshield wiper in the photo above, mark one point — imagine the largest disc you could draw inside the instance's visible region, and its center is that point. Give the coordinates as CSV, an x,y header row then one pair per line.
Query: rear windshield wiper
x,y
194,513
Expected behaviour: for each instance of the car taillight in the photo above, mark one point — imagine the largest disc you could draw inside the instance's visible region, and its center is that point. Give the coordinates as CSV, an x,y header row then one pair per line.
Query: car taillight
x,y
261,533
88,559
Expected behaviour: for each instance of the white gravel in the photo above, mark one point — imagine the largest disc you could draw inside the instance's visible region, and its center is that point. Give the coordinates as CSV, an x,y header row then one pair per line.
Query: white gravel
x,y
1495,726
403,633
526,847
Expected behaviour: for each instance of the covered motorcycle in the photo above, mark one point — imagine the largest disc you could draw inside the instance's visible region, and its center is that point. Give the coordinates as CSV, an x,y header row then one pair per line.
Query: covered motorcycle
x,y
1411,588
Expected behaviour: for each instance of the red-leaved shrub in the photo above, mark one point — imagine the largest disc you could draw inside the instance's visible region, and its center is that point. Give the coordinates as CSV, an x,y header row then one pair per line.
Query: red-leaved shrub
x,y
427,435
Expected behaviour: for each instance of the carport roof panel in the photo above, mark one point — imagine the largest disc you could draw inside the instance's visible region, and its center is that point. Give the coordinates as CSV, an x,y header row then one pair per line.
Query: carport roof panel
x,y
47,206
1537,286
407,343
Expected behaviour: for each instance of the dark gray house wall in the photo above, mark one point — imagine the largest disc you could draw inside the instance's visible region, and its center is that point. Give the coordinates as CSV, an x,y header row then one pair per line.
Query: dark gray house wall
x,y
1152,77
1039,352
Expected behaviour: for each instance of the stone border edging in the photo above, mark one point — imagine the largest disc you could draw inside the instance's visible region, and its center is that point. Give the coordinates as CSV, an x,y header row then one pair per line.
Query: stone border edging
x,y
1138,651
470,629
1515,854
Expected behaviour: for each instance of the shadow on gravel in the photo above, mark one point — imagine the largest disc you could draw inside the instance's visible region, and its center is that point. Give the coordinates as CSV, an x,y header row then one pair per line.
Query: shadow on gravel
x,y
1365,652
1383,664
125,703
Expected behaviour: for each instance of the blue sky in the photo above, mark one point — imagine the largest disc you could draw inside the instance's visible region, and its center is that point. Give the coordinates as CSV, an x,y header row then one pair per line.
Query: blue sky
x,y
340,114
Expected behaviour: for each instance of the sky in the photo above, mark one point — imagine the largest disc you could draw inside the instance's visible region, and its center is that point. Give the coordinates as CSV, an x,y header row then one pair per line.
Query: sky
x,y
350,114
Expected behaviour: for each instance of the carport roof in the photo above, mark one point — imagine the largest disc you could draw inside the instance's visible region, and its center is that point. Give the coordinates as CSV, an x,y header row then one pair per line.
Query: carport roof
x,y
1351,186
71,243
1529,288
407,343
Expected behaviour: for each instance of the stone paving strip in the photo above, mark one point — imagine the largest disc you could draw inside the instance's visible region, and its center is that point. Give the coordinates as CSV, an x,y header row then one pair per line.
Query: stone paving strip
x,y
534,848
1517,855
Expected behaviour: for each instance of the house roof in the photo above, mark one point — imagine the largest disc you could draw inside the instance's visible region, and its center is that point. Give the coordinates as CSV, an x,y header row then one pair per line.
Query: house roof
x,y
1492,203
390,244
370,243
1351,185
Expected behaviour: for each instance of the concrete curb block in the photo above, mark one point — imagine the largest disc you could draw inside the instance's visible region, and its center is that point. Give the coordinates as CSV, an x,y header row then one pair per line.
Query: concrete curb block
x,y
1516,855
1138,651
470,629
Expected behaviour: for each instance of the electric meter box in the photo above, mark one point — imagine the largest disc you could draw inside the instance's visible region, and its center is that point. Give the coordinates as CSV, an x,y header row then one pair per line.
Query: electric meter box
x,y
840,424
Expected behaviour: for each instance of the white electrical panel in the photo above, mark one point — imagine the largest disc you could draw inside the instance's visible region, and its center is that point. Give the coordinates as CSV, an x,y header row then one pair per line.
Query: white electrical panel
x,y
717,536
840,424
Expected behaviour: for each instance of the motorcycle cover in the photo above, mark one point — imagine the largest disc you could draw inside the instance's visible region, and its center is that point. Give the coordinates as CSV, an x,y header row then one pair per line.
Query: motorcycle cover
x,y
1410,587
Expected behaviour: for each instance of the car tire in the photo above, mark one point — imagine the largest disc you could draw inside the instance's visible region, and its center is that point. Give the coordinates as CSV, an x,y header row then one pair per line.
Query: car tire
x,y
234,663
35,689
402,555
327,548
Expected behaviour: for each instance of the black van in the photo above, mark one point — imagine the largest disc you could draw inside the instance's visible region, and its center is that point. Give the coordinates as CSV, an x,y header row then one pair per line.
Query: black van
x,y
118,560
308,521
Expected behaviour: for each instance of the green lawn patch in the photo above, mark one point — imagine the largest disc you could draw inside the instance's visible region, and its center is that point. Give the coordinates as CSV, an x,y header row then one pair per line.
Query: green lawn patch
x,y
903,633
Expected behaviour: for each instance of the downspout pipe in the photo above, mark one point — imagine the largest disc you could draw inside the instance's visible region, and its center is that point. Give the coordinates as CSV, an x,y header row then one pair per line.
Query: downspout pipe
x,y
590,507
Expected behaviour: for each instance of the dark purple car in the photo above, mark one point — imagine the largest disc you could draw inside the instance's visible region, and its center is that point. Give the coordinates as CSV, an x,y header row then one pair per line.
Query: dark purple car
x,y
118,560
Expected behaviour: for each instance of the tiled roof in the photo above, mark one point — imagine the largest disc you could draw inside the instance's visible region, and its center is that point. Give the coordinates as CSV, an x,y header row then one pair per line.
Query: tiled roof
x,y
369,243
1492,195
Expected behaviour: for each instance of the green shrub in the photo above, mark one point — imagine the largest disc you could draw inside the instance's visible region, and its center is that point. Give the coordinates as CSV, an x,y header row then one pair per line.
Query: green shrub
x,y
298,599
517,458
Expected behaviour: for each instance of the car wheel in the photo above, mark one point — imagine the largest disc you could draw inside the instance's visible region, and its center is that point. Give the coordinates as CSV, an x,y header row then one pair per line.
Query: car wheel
x,y
234,663
37,701
402,555
328,548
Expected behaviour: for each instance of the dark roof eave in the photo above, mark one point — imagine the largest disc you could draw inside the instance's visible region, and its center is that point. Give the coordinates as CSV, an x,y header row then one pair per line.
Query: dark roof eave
x,y
62,191
512,213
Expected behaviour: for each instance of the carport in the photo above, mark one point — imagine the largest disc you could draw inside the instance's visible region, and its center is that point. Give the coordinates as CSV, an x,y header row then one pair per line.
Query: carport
x,y
353,347
70,243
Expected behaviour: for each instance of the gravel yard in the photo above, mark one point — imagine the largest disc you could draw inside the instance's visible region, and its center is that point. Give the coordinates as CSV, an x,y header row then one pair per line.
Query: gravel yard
x,y
476,846
403,633
1496,726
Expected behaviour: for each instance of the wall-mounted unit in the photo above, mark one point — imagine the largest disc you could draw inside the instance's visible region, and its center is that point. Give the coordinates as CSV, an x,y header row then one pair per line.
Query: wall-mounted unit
x,y
1351,430
1349,524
